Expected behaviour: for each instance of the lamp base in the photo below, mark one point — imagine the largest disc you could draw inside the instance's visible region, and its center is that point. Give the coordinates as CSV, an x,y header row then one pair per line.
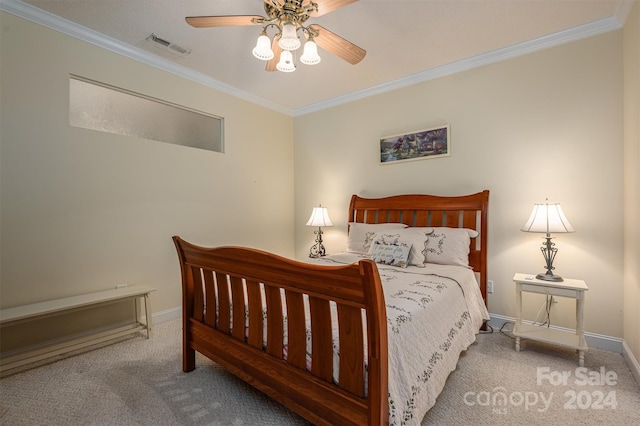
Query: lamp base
x,y
317,250
549,277
549,253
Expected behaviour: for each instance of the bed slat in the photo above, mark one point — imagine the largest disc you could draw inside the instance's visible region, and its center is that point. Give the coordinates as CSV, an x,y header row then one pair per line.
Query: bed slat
x,y
452,219
422,218
297,343
198,298
224,304
469,219
408,217
321,345
238,306
351,376
437,218
392,216
254,302
210,298
274,321
371,217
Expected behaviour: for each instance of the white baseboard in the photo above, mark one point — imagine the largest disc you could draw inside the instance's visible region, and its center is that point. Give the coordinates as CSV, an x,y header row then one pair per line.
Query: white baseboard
x,y
594,340
631,360
168,315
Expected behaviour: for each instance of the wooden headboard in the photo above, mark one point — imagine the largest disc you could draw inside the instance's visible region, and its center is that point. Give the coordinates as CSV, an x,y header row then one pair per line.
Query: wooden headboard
x,y
467,211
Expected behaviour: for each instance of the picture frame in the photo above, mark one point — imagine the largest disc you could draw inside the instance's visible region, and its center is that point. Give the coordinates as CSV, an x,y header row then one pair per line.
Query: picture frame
x,y
434,142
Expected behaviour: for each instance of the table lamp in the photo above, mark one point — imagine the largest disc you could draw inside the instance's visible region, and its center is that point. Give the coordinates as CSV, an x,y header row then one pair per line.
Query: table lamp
x,y
548,218
319,217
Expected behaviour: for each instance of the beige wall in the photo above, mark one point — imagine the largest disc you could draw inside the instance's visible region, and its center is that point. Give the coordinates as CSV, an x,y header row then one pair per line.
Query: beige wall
x,y
84,211
547,124
631,45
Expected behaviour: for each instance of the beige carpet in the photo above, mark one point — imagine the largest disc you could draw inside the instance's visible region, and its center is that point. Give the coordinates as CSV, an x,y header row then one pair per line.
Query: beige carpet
x,y
140,382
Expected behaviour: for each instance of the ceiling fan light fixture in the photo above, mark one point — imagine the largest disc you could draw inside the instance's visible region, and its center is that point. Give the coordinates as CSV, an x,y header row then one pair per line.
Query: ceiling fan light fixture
x,y
287,18
286,62
263,50
310,55
289,39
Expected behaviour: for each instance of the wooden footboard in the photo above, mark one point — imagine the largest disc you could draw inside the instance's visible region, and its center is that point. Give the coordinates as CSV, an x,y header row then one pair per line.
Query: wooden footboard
x,y
231,293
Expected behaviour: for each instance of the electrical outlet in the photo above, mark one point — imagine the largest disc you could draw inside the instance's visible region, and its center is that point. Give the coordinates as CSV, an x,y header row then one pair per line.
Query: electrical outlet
x,y
489,286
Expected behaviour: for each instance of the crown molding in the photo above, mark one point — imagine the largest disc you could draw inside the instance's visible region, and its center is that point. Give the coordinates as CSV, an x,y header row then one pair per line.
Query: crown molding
x,y
56,23
566,36
72,29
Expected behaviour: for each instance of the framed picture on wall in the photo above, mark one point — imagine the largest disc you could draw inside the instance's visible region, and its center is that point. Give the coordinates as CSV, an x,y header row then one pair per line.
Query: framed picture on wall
x,y
417,145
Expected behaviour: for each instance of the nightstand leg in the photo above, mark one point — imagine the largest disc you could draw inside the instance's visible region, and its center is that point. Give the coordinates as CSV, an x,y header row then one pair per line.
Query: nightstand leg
x,y
518,323
580,325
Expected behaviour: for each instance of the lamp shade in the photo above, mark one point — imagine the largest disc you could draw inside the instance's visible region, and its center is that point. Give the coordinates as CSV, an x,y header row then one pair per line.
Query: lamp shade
x,y
547,218
319,217
263,48
310,55
286,62
289,39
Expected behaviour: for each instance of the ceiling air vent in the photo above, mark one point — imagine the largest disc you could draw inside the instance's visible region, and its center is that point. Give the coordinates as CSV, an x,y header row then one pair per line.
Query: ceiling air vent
x,y
167,46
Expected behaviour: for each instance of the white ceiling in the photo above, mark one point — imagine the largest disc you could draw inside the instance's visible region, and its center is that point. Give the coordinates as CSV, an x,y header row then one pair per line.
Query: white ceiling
x,y
406,40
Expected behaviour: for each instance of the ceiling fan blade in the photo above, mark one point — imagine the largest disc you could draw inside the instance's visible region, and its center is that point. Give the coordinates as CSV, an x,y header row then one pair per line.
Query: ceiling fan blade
x,y
335,44
221,21
277,50
326,6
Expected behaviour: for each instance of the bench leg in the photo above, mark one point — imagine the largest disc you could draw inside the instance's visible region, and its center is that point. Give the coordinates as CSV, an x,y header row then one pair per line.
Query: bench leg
x,y
137,310
147,312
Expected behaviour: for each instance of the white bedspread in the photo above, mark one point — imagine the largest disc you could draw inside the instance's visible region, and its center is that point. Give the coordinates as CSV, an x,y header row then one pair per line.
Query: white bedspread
x,y
433,314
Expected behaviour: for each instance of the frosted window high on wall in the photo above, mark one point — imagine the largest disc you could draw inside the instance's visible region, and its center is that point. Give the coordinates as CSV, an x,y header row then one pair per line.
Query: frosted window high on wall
x,y
109,109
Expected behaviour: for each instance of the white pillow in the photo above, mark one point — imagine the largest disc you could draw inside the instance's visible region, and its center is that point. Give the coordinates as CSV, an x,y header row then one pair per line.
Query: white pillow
x,y
414,237
361,235
393,254
425,229
449,246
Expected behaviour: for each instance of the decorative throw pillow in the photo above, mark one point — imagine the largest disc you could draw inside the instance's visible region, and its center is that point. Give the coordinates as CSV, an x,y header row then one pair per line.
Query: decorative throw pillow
x,y
390,254
449,246
361,235
414,237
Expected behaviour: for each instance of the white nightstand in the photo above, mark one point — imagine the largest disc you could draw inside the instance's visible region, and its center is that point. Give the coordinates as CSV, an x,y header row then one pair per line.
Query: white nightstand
x,y
568,288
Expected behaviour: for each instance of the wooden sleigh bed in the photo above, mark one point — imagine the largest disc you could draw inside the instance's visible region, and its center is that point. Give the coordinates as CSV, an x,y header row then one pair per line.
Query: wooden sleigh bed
x,y
274,322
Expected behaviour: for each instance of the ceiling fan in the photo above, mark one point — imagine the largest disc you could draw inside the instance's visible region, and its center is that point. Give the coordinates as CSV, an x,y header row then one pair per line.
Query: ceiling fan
x,y
288,17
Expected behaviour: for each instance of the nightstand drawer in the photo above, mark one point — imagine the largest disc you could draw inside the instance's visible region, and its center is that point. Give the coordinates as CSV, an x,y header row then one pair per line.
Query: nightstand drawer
x,y
562,292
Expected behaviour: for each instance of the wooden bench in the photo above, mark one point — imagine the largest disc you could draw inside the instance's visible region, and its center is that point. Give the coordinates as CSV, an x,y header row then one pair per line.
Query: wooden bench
x,y
19,314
